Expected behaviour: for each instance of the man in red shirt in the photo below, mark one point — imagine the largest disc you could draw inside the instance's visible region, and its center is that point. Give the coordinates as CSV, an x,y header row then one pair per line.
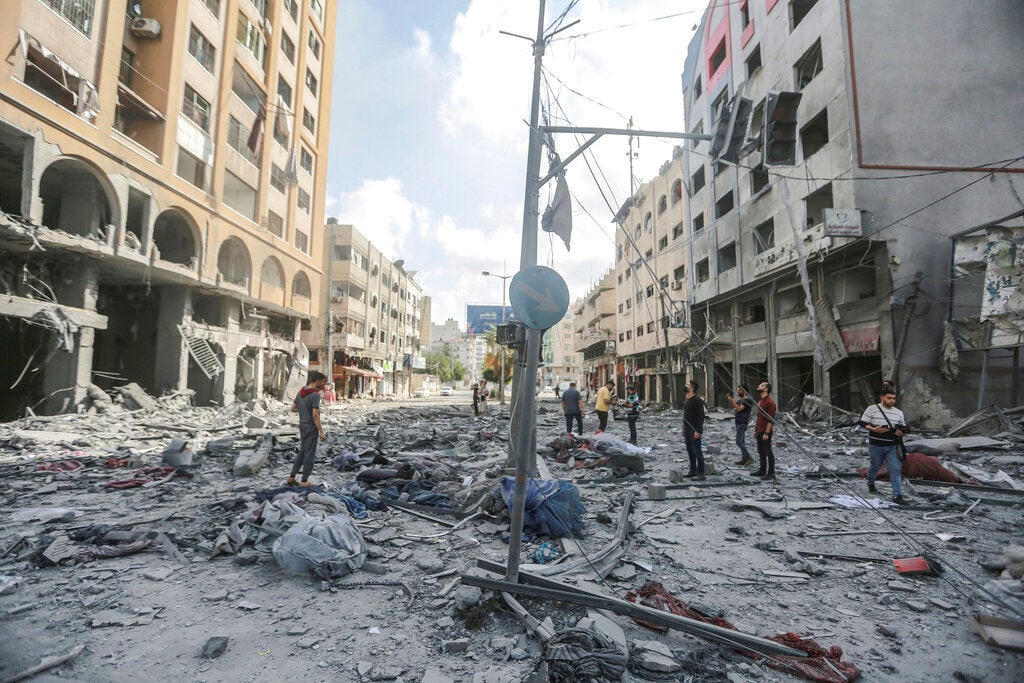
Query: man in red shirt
x,y
763,430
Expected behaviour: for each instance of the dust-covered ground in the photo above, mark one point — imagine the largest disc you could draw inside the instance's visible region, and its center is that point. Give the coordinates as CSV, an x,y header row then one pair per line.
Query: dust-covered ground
x,y
716,545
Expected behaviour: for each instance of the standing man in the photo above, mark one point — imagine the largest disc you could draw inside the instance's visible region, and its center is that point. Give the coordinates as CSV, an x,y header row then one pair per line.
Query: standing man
x,y
886,426
307,405
633,414
604,402
741,409
764,427
483,396
476,399
693,427
572,407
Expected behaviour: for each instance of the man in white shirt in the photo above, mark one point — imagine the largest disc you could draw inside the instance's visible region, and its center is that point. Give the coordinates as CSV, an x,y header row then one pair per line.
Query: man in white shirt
x,y
886,426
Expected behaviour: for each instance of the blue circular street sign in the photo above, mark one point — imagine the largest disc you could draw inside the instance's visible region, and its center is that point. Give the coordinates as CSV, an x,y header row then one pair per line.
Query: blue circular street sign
x,y
539,297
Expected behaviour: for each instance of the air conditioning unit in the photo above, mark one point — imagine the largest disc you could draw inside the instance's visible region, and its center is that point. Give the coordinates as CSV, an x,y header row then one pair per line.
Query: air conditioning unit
x,y
678,284
145,28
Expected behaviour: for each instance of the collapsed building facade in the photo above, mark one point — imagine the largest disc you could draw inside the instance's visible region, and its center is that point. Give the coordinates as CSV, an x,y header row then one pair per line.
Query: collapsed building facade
x,y
594,334
162,174
831,274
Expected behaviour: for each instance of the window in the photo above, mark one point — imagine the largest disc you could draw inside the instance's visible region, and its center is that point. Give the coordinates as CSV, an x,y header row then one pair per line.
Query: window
x,y
753,313
239,195
757,122
308,122
77,12
311,82
808,66
284,89
639,331
677,231
679,274
677,192
306,160
636,231
697,90
648,222
662,243
698,222
629,334
816,203
196,108
288,48
798,9
703,271
342,252
301,241
201,48
250,36
127,72
758,179
618,252
650,327
620,279
621,308
814,135
213,6
662,204
718,106
275,224
663,280
622,336
724,205
292,8
246,89
303,201
318,9
191,169
629,304
764,236
753,62
277,178
727,257
697,180
261,6
238,139
314,44
745,14
717,57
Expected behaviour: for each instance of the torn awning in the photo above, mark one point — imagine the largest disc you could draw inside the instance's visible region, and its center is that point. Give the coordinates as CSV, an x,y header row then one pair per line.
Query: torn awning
x,y
83,92
363,373
131,100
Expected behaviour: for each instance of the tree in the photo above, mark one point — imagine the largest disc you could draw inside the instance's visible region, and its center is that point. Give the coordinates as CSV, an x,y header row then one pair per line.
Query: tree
x,y
492,360
441,363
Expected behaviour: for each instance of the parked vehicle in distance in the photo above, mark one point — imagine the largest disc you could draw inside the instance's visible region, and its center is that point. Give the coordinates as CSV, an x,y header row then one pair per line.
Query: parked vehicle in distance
x,y
421,393
446,391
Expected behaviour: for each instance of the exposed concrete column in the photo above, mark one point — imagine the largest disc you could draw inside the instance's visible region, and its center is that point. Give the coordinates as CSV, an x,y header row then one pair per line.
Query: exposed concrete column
x,y
171,353
82,356
231,350
260,363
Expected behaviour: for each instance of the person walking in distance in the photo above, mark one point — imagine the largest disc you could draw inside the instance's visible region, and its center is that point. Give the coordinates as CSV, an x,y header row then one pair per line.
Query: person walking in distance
x,y
307,405
604,402
764,428
693,427
633,411
742,406
886,426
476,398
572,408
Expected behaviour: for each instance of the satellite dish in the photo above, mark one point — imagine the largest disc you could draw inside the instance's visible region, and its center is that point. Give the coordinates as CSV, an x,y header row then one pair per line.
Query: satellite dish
x,y
399,263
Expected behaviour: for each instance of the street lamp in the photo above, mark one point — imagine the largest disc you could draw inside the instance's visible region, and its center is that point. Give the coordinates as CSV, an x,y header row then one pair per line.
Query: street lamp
x,y
501,350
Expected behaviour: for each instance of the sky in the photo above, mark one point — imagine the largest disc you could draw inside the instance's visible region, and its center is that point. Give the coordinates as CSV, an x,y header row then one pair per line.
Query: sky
x,y
429,129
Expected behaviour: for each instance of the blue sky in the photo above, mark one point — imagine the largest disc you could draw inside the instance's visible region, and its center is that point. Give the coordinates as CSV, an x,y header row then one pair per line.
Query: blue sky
x,y
428,133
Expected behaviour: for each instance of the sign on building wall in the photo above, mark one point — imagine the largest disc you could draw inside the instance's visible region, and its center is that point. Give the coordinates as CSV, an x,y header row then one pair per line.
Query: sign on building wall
x,y
481,318
842,223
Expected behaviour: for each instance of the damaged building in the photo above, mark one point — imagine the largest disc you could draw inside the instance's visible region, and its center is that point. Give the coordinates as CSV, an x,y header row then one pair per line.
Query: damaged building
x,y
162,175
830,270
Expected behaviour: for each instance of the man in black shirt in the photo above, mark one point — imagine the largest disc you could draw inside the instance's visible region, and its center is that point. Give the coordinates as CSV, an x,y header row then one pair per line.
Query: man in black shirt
x,y
572,407
693,426
742,407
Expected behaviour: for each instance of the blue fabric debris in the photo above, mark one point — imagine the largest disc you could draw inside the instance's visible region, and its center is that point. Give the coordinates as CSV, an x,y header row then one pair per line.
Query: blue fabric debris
x,y
545,552
553,507
419,492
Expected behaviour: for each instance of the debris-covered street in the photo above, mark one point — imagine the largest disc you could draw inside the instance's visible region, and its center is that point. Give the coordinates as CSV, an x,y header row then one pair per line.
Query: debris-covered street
x,y
156,538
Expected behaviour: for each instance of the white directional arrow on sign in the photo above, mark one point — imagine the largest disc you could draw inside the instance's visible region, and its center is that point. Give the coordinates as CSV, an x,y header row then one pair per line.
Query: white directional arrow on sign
x,y
539,297
545,301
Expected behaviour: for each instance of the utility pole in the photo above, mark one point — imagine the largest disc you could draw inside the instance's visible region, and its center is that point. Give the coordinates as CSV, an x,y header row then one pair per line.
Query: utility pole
x,y
330,311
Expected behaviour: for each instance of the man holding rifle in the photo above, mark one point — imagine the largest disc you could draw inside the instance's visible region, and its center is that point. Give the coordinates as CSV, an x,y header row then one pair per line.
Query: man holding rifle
x,y
886,426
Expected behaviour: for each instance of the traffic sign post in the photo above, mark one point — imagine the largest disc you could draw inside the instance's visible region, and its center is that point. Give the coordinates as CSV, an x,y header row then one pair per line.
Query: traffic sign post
x,y
539,297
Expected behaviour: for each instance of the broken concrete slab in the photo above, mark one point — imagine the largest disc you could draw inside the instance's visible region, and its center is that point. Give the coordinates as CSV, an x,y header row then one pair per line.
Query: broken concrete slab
x,y
136,398
252,460
215,647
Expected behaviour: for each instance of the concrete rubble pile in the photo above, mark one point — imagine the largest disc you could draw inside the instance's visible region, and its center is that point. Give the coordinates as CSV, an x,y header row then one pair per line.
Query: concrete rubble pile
x,y
151,535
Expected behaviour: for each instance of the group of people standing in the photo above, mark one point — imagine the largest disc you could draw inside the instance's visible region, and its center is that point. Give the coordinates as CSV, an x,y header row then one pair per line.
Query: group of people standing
x,y
480,394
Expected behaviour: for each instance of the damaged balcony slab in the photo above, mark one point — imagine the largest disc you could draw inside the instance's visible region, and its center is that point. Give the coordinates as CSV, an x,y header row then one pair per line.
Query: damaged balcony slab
x,y
21,307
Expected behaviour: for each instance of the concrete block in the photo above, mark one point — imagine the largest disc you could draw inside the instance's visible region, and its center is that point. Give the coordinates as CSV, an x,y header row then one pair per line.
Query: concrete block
x,y
249,462
136,398
656,491
677,475
456,646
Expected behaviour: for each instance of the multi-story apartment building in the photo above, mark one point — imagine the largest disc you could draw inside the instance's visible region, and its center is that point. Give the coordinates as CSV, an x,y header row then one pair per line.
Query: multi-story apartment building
x,y
651,252
829,275
162,174
564,365
463,347
594,334
374,314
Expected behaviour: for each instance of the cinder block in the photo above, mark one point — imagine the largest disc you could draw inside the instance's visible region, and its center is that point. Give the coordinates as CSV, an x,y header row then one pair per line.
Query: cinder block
x,y
656,491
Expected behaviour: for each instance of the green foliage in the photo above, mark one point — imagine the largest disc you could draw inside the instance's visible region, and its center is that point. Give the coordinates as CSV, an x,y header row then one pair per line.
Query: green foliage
x,y
440,363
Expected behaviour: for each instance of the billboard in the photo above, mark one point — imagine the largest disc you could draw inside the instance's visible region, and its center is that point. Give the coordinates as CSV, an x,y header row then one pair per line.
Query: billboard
x,y
480,318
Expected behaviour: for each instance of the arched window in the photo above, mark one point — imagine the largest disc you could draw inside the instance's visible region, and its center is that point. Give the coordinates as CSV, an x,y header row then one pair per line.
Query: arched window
x,y
677,191
272,273
76,199
648,222
233,262
174,237
662,204
300,285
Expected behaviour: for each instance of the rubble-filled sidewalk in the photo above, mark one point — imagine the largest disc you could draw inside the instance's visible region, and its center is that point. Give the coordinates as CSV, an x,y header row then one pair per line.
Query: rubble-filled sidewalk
x,y
158,539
